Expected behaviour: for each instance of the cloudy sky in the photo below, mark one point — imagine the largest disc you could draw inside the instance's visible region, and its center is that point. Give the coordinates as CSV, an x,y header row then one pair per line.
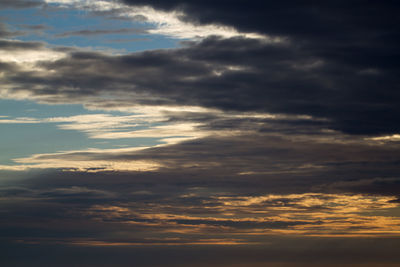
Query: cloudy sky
x,y
199,133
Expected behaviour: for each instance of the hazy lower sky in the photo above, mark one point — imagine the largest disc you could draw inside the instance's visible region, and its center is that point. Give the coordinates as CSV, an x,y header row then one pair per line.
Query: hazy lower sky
x,y
199,133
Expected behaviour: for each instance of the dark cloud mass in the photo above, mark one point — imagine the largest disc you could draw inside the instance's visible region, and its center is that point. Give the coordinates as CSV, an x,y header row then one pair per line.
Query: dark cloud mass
x,y
301,19
234,75
354,39
294,159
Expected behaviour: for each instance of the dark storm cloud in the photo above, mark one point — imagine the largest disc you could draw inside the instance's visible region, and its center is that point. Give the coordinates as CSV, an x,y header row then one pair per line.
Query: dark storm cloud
x,y
307,20
351,35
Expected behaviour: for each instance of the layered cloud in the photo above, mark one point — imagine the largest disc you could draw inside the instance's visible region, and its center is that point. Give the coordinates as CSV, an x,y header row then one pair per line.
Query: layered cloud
x,y
267,131
204,74
170,213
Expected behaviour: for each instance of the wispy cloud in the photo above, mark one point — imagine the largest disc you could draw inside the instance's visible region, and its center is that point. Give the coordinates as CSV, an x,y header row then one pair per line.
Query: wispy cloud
x,y
165,23
387,138
102,32
6,33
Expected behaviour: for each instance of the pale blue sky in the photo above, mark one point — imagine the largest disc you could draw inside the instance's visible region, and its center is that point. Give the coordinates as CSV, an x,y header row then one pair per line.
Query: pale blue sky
x,y
25,139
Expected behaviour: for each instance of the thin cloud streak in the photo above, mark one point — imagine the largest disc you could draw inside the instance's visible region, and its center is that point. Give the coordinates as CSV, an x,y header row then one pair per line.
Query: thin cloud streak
x,y
101,32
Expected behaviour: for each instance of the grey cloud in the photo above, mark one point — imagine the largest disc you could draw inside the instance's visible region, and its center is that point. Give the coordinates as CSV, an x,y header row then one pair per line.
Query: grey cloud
x,y
70,194
8,67
19,3
6,33
14,45
14,191
75,191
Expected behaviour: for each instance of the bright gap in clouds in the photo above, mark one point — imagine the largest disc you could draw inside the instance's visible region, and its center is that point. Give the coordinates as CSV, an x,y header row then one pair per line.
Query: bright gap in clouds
x,y
27,129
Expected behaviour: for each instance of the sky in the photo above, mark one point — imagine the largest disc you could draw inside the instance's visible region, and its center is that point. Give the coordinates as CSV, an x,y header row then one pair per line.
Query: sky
x,y
199,133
